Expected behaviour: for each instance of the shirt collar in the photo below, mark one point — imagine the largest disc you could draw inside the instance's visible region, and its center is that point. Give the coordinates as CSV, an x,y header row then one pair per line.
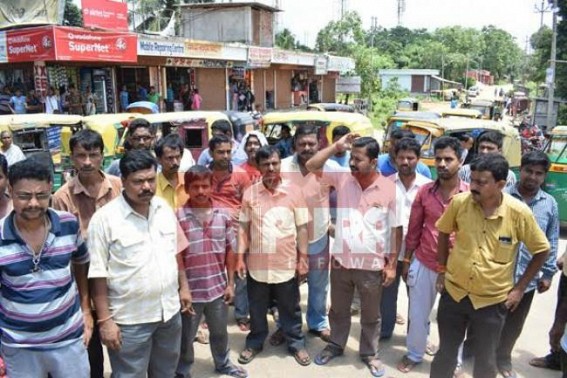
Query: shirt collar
x,y
126,209
163,182
9,232
516,193
77,186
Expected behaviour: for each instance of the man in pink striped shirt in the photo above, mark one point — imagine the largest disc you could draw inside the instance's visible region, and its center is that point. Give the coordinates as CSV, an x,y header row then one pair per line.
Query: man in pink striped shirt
x,y
420,259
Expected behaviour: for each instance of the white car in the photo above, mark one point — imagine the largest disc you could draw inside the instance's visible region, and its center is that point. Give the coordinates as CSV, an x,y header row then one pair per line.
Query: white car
x,y
473,91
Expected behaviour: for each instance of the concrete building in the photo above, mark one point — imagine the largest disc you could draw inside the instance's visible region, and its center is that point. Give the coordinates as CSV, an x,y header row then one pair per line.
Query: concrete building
x,y
415,81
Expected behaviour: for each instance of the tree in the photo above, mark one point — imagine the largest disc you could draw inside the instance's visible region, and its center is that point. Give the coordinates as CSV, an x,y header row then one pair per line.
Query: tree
x,y
501,55
540,42
285,40
72,15
341,37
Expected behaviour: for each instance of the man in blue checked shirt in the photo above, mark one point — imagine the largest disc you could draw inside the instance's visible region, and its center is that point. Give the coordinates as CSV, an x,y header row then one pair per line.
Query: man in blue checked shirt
x,y
533,169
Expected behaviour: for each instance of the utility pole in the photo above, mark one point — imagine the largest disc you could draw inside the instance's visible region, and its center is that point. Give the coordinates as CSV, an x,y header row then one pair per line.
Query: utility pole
x,y
401,10
373,28
542,9
551,73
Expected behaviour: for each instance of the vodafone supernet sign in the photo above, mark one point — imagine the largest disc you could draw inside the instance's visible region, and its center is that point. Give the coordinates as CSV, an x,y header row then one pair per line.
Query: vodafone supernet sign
x,y
31,44
87,43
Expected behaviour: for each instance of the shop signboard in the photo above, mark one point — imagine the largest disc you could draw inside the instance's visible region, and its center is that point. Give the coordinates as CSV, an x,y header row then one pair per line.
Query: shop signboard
x,y
340,64
30,12
292,57
105,14
31,44
350,84
160,47
259,57
321,64
3,48
206,50
83,45
202,63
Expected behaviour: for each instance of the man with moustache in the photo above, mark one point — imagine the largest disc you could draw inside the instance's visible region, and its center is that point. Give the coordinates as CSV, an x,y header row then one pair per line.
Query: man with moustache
x,y
229,183
46,321
387,165
408,182
170,183
364,254
272,255
305,145
420,256
477,278
137,274
533,170
86,192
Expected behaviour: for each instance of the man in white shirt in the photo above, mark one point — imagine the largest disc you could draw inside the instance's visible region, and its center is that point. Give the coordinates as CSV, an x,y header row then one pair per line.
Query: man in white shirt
x,y
137,274
12,152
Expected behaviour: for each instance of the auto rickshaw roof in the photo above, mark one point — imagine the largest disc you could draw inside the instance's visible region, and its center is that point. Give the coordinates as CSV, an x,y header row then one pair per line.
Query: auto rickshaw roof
x,y
482,102
112,118
239,117
18,121
465,124
416,115
559,130
306,115
332,106
462,112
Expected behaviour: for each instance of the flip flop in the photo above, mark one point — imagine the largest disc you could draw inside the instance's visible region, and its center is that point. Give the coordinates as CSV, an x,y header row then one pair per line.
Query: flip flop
x,y
508,373
302,357
326,355
243,324
376,367
543,362
247,355
277,337
406,365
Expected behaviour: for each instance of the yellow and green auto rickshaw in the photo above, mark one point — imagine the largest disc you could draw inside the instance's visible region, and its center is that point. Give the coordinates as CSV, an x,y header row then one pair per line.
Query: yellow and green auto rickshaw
x,y
461,113
331,107
427,132
556,181
44,136
112,128
399,119
486,107
324,121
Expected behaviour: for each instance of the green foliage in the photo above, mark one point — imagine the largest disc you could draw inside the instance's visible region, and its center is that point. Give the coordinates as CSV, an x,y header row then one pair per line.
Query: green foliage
x,y
72,15
287,41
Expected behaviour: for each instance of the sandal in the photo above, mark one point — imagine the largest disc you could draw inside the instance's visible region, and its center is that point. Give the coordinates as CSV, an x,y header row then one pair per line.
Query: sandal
x,y
234,371
430,349
247,355
544,362
243,324
302,357
376,366
508,373
277,337
406,365
327,354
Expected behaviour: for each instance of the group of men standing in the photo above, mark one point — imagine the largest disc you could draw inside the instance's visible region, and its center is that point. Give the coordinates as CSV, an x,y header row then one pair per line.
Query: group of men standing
x,y
166,248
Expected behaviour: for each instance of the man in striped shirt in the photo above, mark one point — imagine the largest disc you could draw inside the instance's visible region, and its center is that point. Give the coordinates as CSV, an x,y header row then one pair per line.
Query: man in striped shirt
x,y
209,267
45,316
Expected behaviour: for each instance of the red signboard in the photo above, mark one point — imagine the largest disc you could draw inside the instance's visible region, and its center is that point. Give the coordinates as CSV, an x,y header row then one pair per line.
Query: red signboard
x,y
105,14
75,44
31,44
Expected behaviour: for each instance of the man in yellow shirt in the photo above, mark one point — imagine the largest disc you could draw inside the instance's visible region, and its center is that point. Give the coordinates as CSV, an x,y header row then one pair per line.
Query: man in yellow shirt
x,y
476,278
169,151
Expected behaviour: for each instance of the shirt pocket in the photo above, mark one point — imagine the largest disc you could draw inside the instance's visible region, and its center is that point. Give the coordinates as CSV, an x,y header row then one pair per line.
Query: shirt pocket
x,y
505,252
128,249
168,241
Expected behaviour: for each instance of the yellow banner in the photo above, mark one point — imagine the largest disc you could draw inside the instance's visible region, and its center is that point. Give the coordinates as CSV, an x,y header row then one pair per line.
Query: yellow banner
x,y
30,12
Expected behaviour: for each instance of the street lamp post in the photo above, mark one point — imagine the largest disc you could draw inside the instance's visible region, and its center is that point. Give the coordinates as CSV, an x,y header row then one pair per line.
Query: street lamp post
x,y
551,81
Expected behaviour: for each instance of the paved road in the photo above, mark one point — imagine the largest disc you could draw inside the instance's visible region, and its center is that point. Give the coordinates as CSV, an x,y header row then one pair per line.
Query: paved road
x,y
275,362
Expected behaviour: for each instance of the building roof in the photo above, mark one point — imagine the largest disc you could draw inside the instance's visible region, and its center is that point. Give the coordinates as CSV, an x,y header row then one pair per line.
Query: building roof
x,y
253,4
400,72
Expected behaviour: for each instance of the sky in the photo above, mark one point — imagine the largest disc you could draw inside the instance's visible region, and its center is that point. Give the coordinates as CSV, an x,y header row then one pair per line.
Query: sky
x,y
518,17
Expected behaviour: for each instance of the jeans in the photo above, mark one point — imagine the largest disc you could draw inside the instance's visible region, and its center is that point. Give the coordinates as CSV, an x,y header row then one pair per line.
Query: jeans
x,y
149,347
453,318
216,316
241,307
70,361
318,284
389,304
286,295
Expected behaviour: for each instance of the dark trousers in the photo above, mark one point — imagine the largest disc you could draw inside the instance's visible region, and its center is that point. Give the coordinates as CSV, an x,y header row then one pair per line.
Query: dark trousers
x,y
369,285
453,319
96,356
512,329
563,360
389,304
554,357
286,295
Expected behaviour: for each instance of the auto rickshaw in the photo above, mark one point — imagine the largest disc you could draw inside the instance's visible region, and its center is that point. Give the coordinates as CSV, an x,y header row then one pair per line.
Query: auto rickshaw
x,y
556,181
331,107
427,132
325,121
112,128
45,136
486,107
408,104
399,119
461,113
242,123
